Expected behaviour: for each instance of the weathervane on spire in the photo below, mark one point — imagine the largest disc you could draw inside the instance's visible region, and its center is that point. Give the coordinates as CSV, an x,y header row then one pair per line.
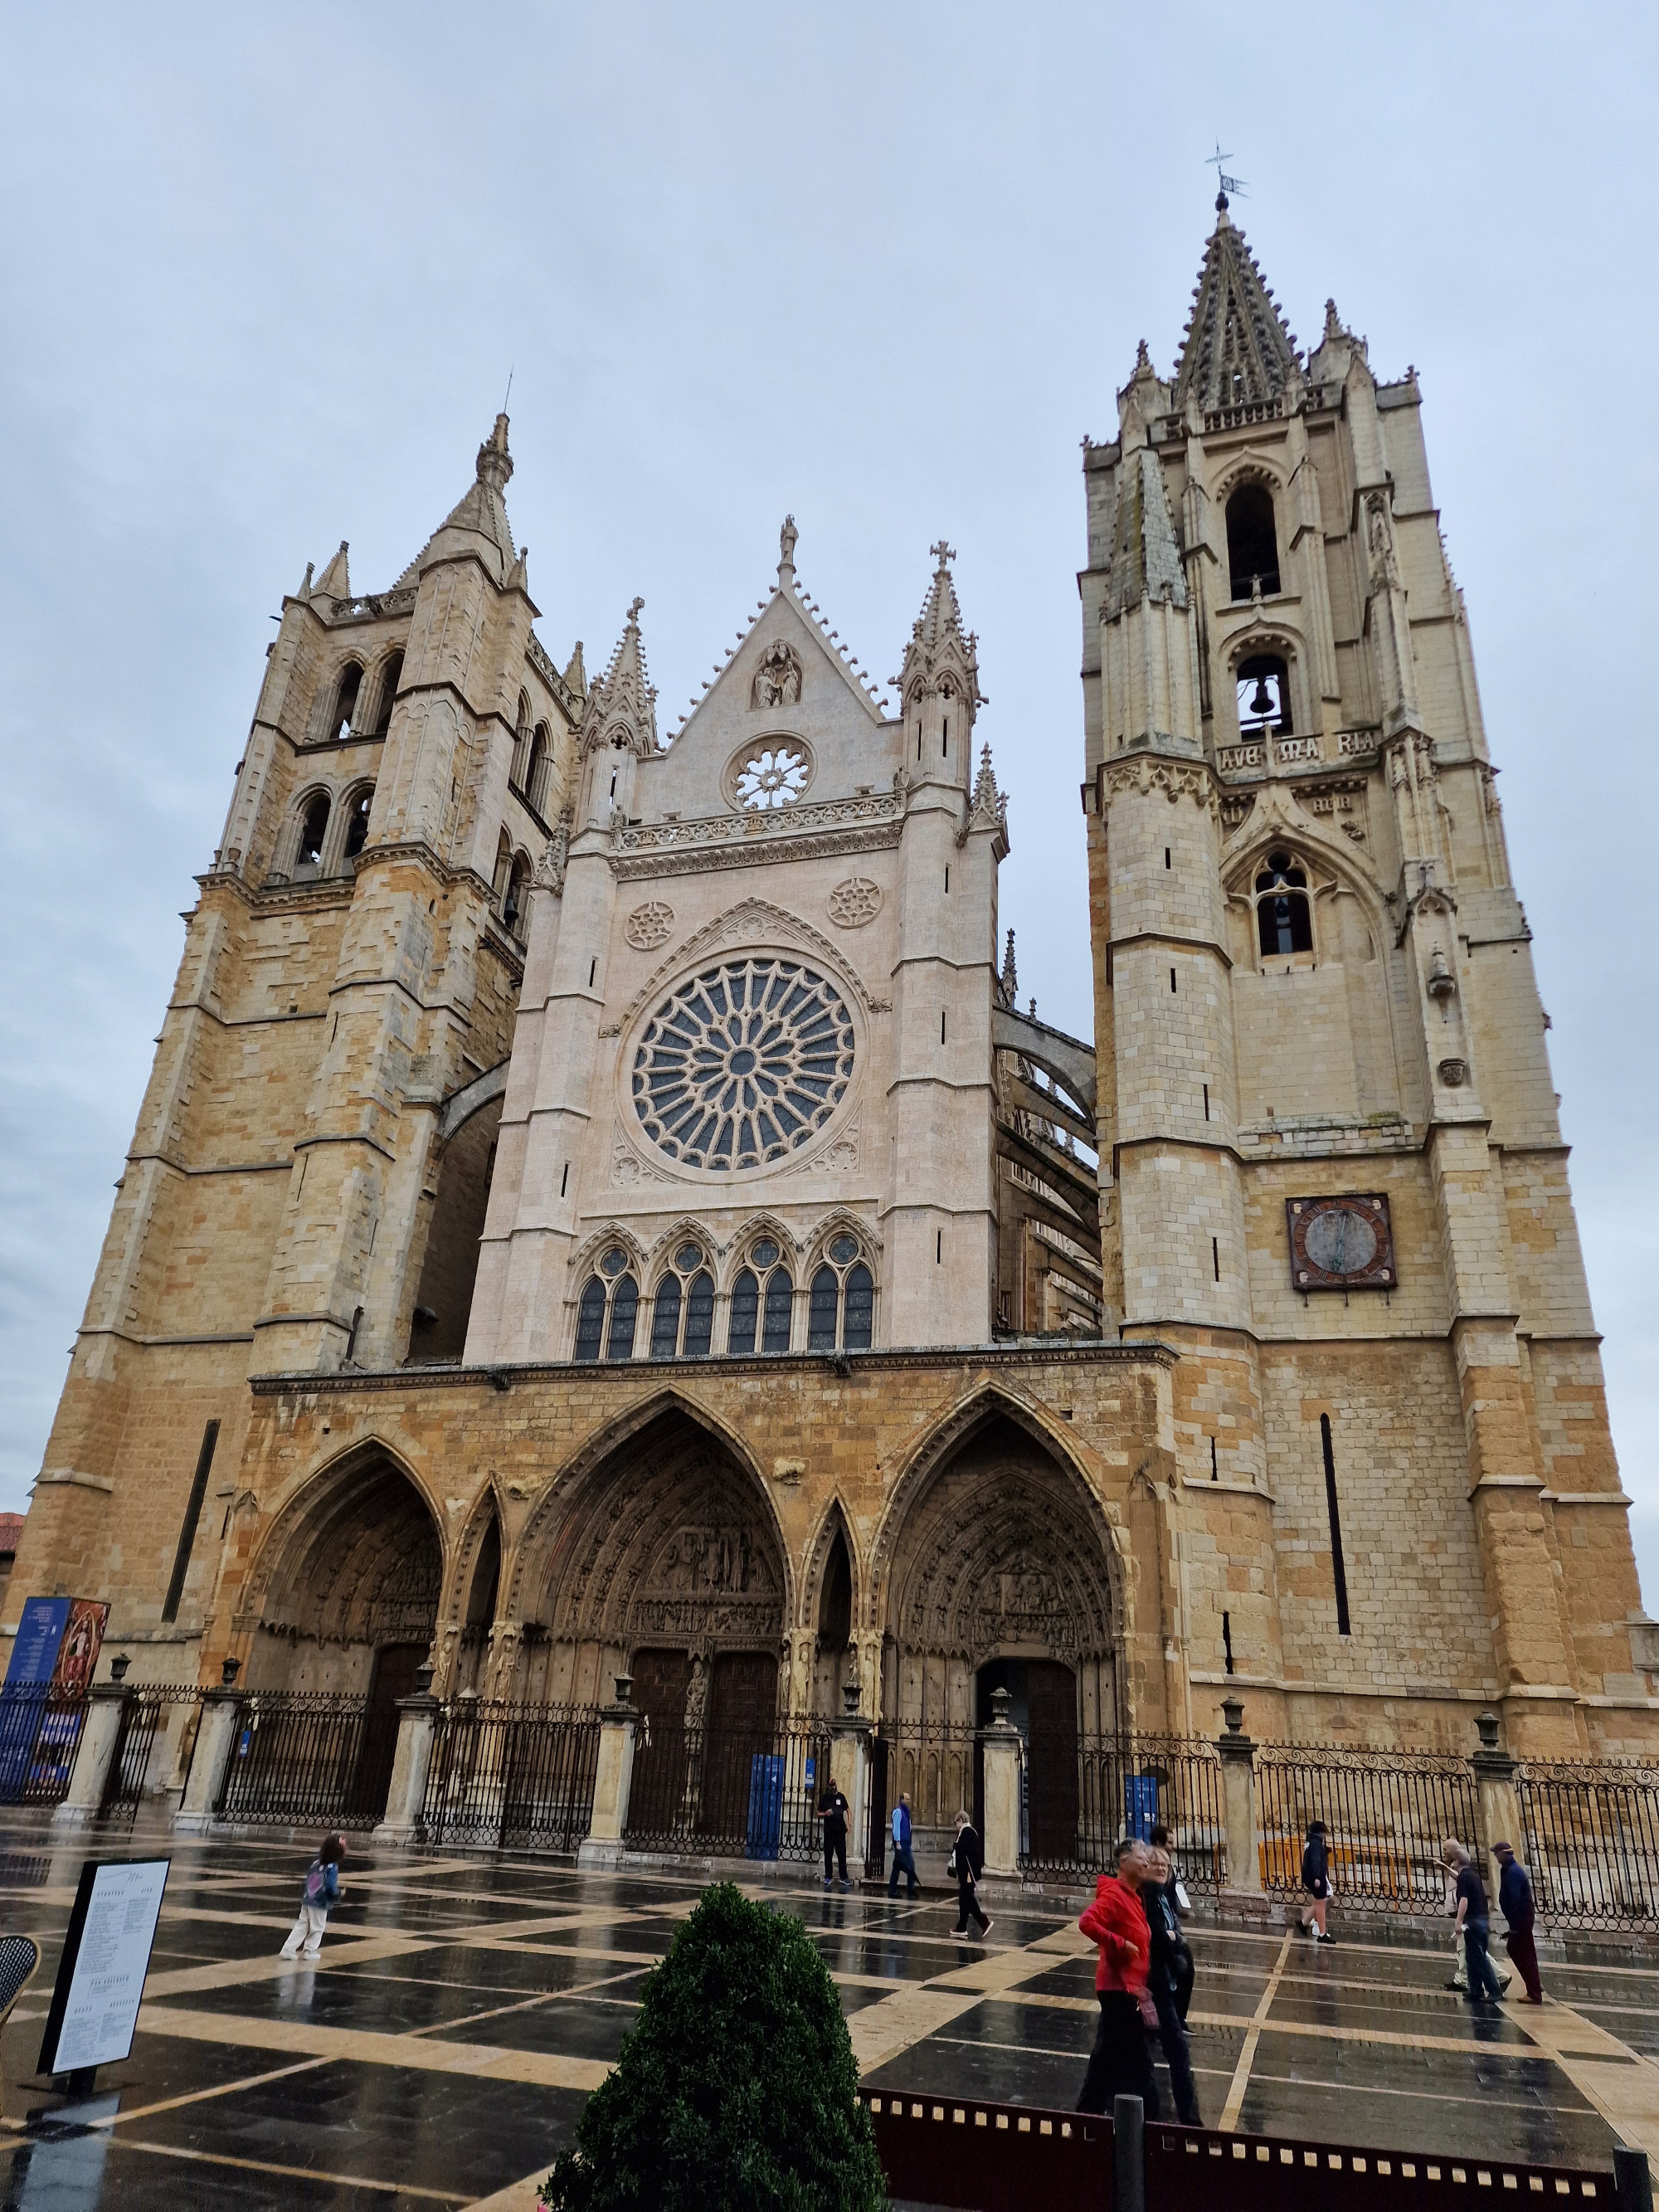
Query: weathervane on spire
x,y
1227,183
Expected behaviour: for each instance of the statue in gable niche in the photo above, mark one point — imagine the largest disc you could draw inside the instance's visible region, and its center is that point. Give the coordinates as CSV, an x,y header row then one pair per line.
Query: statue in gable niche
x,y
777,680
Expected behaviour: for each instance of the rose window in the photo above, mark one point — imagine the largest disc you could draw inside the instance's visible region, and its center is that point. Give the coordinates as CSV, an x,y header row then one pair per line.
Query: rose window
x,y
774,778
743,1063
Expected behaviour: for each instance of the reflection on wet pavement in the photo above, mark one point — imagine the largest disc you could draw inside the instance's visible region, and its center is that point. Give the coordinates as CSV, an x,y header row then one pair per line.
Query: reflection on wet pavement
x,y
464,2008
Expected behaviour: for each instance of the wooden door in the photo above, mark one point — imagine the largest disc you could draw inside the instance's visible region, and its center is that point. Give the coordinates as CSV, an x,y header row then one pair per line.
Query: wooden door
x,y
742,1706
1051,1712
395,1667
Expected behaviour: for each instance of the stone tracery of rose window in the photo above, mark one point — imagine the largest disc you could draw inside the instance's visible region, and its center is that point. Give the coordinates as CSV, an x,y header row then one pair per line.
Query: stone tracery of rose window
x,y
774,777
743,1063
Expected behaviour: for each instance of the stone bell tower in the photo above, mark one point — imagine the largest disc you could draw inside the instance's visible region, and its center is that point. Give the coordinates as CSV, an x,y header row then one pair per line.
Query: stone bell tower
x,y
1332,1170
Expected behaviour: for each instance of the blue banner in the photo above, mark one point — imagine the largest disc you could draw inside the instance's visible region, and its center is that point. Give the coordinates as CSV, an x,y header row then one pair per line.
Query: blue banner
x,y
34,1650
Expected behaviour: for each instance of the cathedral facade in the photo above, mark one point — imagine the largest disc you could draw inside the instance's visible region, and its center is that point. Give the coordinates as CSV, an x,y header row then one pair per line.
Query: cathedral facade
x,y
599,1208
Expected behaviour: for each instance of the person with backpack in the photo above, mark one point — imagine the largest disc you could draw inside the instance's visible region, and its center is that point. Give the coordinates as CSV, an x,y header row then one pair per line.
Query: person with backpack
x,y
1316,1884
322,1890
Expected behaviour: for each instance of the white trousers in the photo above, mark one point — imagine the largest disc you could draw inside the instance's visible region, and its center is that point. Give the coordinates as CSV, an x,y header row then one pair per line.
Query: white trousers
x,y
307,1931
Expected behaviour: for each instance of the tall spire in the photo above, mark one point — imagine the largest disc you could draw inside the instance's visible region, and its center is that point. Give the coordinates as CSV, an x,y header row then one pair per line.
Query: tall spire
x,y
335,582
477,523
937,636
1237,350
622,705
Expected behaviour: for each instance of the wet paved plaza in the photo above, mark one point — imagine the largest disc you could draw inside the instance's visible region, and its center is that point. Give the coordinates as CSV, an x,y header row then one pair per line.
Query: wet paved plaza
x,y
464,2005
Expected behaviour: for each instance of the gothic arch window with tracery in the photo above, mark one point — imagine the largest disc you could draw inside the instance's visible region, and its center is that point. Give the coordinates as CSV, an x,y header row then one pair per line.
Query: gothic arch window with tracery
x,y
683,1309
762,1300
607,1312
841,1300
357,807
347,685
313,834
1284,917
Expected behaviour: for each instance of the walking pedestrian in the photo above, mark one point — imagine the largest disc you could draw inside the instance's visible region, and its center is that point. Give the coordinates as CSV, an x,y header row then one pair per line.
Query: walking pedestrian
x,y
1473,1923
967,1862
904,1857
833,1811
322,1889
1120,2065
1181,1905
1515,1902
1316,1884
1168,1942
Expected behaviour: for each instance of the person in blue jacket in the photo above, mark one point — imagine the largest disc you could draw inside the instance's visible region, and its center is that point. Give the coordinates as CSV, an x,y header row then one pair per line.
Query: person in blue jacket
x,y
903,1858
322,1889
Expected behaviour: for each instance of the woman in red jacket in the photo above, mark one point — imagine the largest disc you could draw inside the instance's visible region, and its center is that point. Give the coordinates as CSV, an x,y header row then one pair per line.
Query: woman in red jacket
x,y
1120,2065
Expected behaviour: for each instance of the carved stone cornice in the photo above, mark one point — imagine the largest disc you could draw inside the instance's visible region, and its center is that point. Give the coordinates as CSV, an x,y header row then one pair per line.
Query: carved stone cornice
x,y
721,845
1145,773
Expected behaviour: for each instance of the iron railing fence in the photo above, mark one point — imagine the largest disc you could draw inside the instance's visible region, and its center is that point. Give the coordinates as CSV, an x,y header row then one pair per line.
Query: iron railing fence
x,y
309,1758
1082,1793
40,1734
1386,1815
937,1762
151,1709
1591,1840
743,1792
509,1773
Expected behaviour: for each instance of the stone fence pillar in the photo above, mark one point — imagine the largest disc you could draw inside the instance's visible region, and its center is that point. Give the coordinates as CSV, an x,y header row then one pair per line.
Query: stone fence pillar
x,y
100,1736
1500,1807
850,1734
1000,1745
1237,1754
405,1797
215,1738
613,1780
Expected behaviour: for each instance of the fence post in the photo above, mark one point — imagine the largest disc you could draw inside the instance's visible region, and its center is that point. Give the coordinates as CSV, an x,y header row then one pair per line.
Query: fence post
x,y
613,1780
1499,1807
1237,1753
1001,1746
216,1736
1129,2154
100,1738
405,1797
850,1732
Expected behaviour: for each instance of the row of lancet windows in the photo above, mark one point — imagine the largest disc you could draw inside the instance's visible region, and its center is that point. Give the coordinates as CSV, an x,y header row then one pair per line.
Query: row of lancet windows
x,y
532,759
761,1310
340,719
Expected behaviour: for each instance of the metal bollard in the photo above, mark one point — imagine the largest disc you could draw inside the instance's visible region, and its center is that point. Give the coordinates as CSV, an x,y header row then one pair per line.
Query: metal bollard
x,y
1632,2180
1129,2156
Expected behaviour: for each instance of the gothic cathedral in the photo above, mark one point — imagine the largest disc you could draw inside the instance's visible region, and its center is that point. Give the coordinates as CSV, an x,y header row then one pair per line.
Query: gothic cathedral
x,y
598,1207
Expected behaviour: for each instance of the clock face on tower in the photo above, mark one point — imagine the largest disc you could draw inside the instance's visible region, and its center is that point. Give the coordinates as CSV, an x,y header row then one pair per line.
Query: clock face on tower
x,y
1341,1243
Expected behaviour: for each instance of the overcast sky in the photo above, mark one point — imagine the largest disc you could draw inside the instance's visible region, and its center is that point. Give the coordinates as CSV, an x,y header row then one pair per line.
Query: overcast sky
x,y
266,269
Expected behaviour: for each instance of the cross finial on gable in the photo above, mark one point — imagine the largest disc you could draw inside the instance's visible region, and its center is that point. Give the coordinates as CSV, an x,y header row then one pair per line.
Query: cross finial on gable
x,y
942,552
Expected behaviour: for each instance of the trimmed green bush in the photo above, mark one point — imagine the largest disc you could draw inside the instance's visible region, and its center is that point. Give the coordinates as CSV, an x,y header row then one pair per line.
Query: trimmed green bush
x,y
736,2092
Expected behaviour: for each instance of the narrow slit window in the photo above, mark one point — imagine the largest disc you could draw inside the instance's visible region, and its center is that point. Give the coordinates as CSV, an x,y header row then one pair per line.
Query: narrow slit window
x,y
1172,980
1339,1571
1207,1102
1166,856
592,971
947,883
564,1179
1215,1466
1215,1256
1227,1640
193,1515
941,1026
939,1248
944,748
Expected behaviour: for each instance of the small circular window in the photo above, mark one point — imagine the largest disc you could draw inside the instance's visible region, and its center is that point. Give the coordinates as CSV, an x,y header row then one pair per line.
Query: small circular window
x,y
743,1064
614,1262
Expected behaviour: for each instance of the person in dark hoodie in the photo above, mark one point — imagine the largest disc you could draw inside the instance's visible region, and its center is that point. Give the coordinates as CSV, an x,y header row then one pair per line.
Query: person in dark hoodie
x,y
1167,1943
1316,1883
1120,2065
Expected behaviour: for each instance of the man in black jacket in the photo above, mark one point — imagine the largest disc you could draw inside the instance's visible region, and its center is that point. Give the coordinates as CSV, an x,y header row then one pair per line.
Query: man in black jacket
x,y
1168,1942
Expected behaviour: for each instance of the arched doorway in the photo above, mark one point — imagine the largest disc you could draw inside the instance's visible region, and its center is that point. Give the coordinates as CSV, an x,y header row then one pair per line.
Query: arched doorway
x,y
665,1564
999,1578
347,1604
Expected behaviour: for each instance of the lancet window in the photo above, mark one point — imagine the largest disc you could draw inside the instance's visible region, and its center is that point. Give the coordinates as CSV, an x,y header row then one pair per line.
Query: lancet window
x,y
607,1313
1252,542
345,700
682,1310
1284,921
313,830
390,677
357,813
762,1300
842,1299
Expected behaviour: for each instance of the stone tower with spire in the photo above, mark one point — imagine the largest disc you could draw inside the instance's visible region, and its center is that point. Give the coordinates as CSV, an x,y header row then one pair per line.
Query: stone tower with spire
x,y
1332,1172
297,1197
